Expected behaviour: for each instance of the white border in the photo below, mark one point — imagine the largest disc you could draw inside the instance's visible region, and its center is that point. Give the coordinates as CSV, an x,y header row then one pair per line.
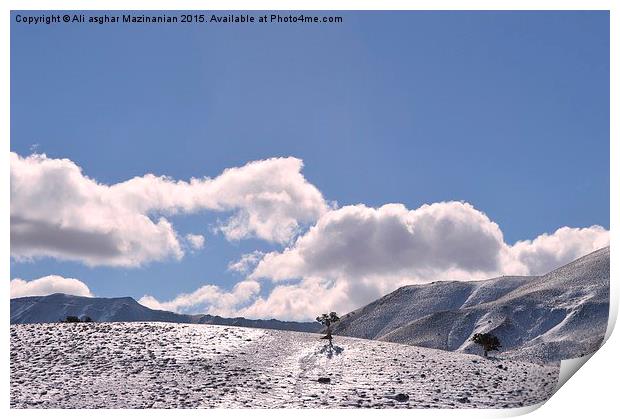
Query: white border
x,y
591,393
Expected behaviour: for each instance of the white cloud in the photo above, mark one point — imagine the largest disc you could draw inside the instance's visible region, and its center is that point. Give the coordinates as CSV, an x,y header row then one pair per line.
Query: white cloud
x,y
209,298
48,285
305,300
196,241
356,241
57,211
246,262
549,251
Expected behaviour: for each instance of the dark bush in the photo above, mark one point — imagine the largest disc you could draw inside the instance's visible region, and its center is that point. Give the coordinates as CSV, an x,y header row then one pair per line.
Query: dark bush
x,y
76,319
488,342
71,319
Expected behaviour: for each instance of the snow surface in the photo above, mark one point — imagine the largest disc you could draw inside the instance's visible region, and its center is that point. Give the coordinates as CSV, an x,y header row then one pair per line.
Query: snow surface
x,y
548,318
151,365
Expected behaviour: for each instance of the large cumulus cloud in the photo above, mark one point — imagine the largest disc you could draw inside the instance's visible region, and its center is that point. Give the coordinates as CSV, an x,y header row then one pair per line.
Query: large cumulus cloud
x,y
59,212
357,241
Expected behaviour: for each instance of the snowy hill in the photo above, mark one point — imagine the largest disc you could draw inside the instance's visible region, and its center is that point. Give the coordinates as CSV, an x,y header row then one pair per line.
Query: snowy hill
x,y
556,316
168,365
55,307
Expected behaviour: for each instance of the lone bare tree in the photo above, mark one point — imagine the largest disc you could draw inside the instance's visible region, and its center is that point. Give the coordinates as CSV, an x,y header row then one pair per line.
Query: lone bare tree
x,y
327,320
488,342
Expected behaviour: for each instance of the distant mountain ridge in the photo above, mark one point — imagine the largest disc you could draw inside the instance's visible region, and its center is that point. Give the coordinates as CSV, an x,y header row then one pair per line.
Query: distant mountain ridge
x,y
560,315
55,307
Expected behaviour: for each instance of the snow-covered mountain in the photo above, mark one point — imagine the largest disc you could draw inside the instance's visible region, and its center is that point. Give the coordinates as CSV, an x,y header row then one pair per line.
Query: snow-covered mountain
x,y
560,315
55,307
168,365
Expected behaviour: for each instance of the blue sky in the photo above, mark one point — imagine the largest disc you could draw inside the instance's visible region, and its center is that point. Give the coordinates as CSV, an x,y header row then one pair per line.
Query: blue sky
x,y
506,111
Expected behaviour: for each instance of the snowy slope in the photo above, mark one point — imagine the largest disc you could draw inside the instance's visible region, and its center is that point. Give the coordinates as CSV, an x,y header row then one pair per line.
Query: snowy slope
x,y
55,307
556,316
134,365
413,302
